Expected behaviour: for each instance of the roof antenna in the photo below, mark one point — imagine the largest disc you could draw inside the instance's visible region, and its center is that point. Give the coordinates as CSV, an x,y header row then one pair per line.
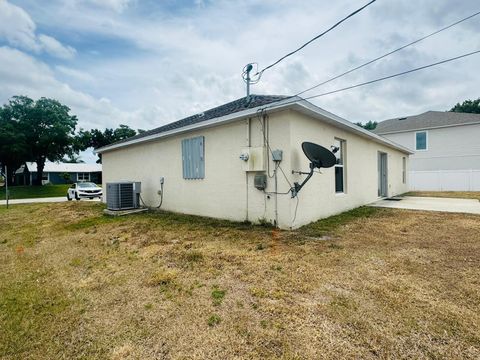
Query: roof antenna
x,y
247,70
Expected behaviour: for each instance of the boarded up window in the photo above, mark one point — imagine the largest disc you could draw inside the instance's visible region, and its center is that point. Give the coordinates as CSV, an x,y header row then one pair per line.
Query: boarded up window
x,y
193,158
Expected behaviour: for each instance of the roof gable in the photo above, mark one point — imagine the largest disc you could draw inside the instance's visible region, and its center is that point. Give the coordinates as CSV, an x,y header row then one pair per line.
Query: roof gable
x,y
427,120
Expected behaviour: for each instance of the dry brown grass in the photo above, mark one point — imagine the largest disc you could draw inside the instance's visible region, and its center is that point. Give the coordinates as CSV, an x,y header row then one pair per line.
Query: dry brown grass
x,y
383,283
447,194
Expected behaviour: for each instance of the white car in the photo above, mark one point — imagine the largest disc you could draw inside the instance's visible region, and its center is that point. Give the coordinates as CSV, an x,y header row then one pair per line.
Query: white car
x,y
84,190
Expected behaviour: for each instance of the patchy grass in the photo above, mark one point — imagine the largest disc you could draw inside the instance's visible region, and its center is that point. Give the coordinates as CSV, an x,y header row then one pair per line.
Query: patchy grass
x,y
447,194
30,192
331,224
369,283
217,295
214,320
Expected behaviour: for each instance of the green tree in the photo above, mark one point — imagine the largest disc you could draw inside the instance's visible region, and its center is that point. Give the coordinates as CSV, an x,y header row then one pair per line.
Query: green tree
x,y
46,127
96,138
13,142
468,106
73,159
371,125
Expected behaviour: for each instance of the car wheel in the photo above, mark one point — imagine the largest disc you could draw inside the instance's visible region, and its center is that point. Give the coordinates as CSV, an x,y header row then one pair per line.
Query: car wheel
x,y
69,198
76,197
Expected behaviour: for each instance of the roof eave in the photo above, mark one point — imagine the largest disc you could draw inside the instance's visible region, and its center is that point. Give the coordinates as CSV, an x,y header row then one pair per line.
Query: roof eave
x,y
283,104
427,128
340,122
300,104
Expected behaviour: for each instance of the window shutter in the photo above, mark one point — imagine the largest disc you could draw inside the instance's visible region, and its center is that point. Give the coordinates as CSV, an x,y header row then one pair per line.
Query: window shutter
x,y
193,158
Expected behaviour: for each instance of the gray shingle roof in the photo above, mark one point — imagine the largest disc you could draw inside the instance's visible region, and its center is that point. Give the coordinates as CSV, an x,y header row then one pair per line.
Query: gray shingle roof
x,y
219,111
427,120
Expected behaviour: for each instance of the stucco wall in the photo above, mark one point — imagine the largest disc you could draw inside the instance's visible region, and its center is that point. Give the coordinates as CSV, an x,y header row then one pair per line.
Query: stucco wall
x,y
450,148
223,191
227,191
318,198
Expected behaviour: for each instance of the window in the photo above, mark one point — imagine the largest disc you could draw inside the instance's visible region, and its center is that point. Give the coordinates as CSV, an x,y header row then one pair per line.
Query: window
x,y
193,158
404,170
340,166
45,176
83,176
421,140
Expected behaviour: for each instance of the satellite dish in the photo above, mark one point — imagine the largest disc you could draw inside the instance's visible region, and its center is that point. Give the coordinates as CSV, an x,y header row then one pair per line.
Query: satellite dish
x,y
319,156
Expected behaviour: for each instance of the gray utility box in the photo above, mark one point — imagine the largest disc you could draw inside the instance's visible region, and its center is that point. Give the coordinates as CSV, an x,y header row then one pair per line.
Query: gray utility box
x,y
260,181
123,195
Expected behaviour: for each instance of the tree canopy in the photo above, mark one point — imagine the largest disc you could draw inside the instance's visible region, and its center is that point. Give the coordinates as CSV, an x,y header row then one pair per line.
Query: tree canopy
x,y
370,125
44,130
35,131
96,138
468,106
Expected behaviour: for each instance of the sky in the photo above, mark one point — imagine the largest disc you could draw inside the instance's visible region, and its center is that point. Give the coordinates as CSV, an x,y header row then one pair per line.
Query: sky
x,y
145,63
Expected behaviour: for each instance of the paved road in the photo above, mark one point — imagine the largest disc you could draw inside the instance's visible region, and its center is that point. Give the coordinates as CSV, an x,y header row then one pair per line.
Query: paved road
x,y
470,206
40,200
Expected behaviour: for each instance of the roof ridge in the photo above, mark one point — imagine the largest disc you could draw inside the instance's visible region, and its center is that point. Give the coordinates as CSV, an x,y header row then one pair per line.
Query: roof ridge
x,y
231,107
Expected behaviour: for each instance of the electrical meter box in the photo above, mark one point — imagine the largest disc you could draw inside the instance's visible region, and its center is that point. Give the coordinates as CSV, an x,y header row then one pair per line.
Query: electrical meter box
x,y
253,158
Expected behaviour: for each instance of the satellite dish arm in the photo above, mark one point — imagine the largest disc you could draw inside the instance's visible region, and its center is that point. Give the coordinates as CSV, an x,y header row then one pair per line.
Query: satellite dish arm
x,y
295,189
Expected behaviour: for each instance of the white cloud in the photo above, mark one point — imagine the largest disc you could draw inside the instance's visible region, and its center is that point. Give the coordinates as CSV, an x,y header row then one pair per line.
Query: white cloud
x,y
180,63
115,5
77,75
54,47
18,29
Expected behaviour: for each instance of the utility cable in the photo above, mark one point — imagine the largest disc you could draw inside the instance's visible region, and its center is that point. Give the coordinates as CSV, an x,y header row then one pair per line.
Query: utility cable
x,y
295,98
387,54
394,75
259,73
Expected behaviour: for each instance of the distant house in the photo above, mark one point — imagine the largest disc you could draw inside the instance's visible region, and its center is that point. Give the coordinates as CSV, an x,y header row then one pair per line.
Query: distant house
x,y
224,163
446,145
53,173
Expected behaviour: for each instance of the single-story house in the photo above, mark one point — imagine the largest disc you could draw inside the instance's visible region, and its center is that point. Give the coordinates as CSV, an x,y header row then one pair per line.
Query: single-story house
x,y
214,163
447,149
53,173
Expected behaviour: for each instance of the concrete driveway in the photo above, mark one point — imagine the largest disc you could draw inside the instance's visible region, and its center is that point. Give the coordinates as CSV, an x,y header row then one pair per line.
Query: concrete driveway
x,y
470,206
41,200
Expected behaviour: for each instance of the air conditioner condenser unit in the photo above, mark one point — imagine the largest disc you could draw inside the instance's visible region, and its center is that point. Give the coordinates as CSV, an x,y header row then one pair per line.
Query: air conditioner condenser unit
x,y
123,195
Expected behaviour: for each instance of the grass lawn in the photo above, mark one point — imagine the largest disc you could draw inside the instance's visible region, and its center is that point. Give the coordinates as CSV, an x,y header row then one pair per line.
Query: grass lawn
x,y
371,283
447,194
29,192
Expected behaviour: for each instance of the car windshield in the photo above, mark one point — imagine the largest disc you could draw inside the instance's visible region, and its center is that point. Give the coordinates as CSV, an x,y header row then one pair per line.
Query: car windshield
x,y
86,185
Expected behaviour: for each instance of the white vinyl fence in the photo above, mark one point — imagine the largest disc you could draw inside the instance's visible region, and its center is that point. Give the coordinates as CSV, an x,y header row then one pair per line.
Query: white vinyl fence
x,y
444,180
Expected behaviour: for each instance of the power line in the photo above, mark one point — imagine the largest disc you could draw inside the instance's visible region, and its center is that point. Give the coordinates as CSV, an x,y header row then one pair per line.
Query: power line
x,y
389,53
394,75
370,81
259,73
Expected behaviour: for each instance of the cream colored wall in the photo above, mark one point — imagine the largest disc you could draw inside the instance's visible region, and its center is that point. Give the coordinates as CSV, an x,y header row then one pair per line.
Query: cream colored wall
x,y
225,193
318,198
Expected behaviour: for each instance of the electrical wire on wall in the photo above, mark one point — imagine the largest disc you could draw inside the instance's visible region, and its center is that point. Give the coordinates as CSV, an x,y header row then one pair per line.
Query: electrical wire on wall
x,y
161,199
262,114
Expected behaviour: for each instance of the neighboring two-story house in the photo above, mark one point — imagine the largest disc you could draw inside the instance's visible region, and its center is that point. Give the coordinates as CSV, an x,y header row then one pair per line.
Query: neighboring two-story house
x,y
446,145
